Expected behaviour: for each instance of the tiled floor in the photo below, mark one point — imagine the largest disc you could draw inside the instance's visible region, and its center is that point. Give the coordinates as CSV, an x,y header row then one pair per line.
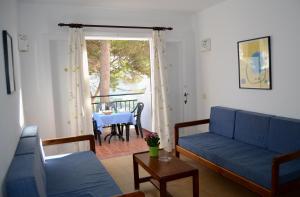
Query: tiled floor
x,y
118,148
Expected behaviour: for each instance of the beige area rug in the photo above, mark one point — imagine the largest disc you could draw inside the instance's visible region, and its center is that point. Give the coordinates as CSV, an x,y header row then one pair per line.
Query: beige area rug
x,y
211,184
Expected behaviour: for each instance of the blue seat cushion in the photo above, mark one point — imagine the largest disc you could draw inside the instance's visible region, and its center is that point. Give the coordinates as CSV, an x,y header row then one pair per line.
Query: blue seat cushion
x,y
246,160
26,177
284,135
79,174
252,128
222,121
30,131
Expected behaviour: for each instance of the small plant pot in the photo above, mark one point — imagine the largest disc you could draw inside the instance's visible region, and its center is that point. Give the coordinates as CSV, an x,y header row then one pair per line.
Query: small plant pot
x,y
153,151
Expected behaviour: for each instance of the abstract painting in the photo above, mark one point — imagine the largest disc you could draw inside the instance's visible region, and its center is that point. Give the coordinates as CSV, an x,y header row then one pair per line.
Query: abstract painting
x,y
255,63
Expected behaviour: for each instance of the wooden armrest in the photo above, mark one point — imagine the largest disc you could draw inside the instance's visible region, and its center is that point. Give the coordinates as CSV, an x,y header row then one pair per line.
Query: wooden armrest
x,y
191,123
275,166
133,194
187,124
286,157
72,139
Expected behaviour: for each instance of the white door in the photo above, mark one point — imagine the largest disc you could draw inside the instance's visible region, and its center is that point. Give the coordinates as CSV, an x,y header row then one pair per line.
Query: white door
x,y
175,78
180,94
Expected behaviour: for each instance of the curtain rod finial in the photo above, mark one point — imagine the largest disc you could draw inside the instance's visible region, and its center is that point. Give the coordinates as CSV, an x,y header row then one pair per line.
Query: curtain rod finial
x,y
71,25
162,28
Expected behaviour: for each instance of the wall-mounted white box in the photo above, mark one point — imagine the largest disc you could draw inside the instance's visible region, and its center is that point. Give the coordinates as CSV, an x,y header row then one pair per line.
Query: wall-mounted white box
x,y
205,45
23,43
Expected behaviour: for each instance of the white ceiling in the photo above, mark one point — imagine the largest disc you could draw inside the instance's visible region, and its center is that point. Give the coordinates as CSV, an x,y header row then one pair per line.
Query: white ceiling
x,y
170,5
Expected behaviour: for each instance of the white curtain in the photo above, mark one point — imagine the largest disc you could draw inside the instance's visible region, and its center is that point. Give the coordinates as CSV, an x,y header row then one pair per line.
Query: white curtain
x,y
160,107
79,101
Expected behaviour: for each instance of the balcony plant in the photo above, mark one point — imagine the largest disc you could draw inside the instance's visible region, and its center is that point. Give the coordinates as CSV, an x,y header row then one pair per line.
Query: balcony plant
x,y
152,140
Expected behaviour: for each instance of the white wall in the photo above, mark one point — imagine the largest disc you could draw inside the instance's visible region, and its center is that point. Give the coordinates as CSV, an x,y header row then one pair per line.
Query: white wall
x,y
217,71
10,105
39,23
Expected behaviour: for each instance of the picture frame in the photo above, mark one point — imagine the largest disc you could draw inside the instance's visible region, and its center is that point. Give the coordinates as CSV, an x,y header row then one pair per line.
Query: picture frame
x,y
254,62
8,62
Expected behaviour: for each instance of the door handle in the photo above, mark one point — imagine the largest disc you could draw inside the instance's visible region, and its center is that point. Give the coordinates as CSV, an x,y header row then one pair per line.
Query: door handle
x,y
185,97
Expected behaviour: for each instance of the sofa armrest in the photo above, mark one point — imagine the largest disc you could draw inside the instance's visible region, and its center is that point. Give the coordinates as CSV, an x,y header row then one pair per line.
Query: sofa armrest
x,y
72,139
133,194
275,167
187,124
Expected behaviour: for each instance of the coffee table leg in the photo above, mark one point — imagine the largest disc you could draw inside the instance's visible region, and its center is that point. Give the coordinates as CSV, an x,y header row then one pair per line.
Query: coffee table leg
x,y
163,189
136,175
196,185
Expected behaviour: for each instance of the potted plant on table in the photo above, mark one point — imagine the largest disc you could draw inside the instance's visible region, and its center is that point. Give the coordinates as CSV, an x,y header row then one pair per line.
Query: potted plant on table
x,y
153,142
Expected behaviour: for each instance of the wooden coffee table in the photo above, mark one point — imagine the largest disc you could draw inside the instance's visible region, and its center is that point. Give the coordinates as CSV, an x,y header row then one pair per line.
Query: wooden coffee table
x,y
163,171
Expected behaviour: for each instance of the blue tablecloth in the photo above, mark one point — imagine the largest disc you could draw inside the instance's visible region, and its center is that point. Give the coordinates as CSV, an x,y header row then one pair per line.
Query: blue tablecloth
x,y
114,118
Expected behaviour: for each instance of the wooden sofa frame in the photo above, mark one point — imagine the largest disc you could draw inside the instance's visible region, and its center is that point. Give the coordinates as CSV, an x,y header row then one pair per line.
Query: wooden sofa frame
x,y
91,140
262,191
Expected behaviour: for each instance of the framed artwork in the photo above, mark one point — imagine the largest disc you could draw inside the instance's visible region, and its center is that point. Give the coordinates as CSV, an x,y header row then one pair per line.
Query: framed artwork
x,y
8,62
255,63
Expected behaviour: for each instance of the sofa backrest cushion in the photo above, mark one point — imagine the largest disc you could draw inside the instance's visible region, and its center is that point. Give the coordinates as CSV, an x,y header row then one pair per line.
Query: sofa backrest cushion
x,y
26,177
252,128
222,121
284,135
26,145
26,174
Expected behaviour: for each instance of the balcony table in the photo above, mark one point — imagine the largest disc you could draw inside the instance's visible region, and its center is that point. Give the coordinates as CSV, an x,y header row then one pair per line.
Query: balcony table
x,y
104,120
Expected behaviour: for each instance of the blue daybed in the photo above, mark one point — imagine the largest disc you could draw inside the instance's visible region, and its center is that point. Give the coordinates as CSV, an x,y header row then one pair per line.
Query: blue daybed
x,y
259,151
78,174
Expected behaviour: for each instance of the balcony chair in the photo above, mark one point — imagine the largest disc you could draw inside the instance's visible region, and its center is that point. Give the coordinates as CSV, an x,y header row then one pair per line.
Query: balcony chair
x,y
137,111
97,132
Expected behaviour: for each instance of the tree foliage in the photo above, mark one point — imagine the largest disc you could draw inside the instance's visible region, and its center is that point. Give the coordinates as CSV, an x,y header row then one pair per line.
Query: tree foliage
x,y
129,60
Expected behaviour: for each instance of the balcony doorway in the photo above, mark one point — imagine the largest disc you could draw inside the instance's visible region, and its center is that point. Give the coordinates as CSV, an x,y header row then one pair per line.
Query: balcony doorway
x,y
119,70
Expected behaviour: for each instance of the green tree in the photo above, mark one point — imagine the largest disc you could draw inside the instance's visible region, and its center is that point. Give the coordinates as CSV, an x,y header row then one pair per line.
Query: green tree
x,y
129,60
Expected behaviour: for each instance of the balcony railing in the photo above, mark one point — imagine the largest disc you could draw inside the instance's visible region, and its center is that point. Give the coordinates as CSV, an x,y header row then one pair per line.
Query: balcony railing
x,y
127,102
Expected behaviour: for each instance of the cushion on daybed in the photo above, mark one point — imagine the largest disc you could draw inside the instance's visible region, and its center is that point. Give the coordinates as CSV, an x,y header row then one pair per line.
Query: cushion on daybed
x,y
233,155
252,128
26,174
222,121
284,135
247,160
201,143
27,145
257,139
79,174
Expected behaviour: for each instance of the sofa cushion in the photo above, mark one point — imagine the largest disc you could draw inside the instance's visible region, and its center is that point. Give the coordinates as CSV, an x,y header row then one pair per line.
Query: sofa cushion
x,y
284,135
252,128
79,174
238,157
29,131
222,121
246,160
26,177
200,143
27,145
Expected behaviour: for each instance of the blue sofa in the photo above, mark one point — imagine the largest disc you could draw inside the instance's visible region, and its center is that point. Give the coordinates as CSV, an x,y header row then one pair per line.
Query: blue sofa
x,y
76,174
259,151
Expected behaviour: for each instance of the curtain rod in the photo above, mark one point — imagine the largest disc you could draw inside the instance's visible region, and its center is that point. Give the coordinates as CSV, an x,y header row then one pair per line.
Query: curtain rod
x,y
77,25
